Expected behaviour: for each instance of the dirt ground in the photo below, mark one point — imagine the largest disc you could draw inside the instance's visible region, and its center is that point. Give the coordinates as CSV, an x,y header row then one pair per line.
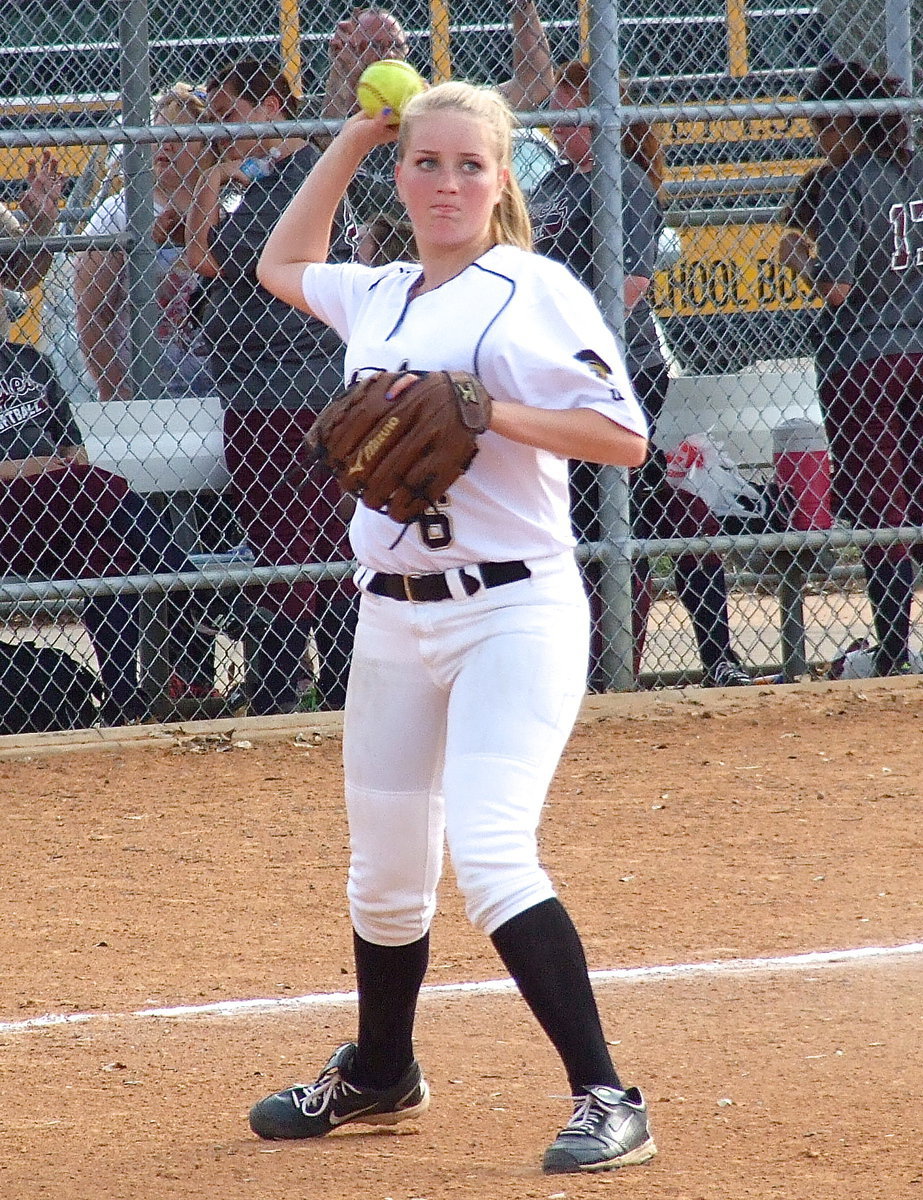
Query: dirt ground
x,y
727,834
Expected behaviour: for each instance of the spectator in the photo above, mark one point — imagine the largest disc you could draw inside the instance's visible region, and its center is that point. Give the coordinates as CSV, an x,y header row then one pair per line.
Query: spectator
x,y
63,519
25,269
856,240
58,320
274,369
563,219
101,293
370,34
385,240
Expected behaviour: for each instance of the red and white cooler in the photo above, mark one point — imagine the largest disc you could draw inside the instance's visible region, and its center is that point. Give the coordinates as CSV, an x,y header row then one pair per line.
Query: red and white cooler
x,y
802,469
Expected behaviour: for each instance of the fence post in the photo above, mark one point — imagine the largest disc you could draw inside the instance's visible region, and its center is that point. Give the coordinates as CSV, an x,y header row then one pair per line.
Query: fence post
x,y
898,37
792,580
615,560
137,174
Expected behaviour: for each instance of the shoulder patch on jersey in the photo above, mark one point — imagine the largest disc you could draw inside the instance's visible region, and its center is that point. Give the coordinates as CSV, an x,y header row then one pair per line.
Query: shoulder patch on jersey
x,y
597,365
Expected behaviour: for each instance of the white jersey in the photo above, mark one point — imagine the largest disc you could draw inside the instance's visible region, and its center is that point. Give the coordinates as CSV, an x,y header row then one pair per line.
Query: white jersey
x,y
532,333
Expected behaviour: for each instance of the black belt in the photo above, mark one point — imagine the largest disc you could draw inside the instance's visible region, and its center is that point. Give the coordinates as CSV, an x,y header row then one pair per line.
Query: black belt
x,y
436,587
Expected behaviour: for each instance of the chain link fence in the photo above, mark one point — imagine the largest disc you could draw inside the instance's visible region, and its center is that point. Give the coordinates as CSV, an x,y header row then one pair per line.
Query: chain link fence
x,y
739,190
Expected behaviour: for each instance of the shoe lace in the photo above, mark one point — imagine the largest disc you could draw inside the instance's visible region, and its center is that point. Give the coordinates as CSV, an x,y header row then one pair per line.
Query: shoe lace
x,y
316,1097
585,1115
727,672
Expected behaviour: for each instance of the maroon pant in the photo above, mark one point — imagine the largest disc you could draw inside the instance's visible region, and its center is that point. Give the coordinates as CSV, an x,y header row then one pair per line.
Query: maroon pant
x,y
290,513
657,510
874,419
82,522
60,525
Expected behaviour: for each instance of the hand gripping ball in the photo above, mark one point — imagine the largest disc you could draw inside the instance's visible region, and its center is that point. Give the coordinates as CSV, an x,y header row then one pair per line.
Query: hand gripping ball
x,y
389,83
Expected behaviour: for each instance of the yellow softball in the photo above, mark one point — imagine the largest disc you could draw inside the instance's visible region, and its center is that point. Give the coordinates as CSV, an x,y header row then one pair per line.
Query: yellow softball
x,y
389,83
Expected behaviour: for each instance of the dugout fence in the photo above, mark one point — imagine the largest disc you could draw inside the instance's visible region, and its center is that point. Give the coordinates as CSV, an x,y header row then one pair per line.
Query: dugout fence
x,y
744,335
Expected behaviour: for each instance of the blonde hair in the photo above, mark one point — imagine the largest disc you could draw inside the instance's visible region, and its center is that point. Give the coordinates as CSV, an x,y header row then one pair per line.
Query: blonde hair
x,y
509,224
184,104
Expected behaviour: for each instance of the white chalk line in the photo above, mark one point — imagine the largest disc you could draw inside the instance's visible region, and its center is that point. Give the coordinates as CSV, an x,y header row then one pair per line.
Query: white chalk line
x,y
233,1008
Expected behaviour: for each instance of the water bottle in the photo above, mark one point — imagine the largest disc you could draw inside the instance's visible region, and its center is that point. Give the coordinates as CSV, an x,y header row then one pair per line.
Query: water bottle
x,y
802,469
257,168
254,169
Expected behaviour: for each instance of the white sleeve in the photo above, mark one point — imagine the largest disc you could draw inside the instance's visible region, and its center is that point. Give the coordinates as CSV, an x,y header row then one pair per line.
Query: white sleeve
x,y
108,218
552,349
9,226
335,291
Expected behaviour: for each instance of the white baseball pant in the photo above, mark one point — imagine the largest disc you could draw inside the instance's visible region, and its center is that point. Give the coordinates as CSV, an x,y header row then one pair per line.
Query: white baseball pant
x,y
456,717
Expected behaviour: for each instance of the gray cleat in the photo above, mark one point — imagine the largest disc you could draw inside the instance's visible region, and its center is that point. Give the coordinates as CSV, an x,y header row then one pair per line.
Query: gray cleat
x,y
313,1109
609,1129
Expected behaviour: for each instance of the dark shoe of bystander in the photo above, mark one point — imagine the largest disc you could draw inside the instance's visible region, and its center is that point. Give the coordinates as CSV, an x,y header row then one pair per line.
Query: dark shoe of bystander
x,y
726,673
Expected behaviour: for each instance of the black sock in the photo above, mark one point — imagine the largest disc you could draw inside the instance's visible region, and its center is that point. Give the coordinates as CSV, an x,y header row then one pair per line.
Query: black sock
x,y
702,588
542,951
890,590
388,979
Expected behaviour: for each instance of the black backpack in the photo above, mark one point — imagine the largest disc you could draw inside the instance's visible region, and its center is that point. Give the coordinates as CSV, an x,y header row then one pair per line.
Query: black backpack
x,y
42,689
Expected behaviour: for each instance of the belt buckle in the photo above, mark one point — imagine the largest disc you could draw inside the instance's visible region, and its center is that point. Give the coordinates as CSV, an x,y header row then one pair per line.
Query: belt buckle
x,y
406,581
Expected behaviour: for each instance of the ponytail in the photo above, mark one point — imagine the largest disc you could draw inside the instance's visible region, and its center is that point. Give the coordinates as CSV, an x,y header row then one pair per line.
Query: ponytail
x,y
511,225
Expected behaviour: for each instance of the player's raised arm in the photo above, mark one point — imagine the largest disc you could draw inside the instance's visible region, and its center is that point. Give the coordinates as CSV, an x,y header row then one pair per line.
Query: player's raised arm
x,y
303,233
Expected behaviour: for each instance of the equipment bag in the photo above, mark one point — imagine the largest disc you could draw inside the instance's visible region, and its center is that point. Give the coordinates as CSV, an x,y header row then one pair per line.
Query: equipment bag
x,y
42,689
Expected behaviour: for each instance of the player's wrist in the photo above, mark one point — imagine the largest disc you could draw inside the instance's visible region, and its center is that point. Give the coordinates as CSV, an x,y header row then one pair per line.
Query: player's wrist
x,y
503,418
360,133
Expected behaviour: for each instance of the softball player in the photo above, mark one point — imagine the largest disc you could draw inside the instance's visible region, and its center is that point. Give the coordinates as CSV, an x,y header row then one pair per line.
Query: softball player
x,y
471,651
866,261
